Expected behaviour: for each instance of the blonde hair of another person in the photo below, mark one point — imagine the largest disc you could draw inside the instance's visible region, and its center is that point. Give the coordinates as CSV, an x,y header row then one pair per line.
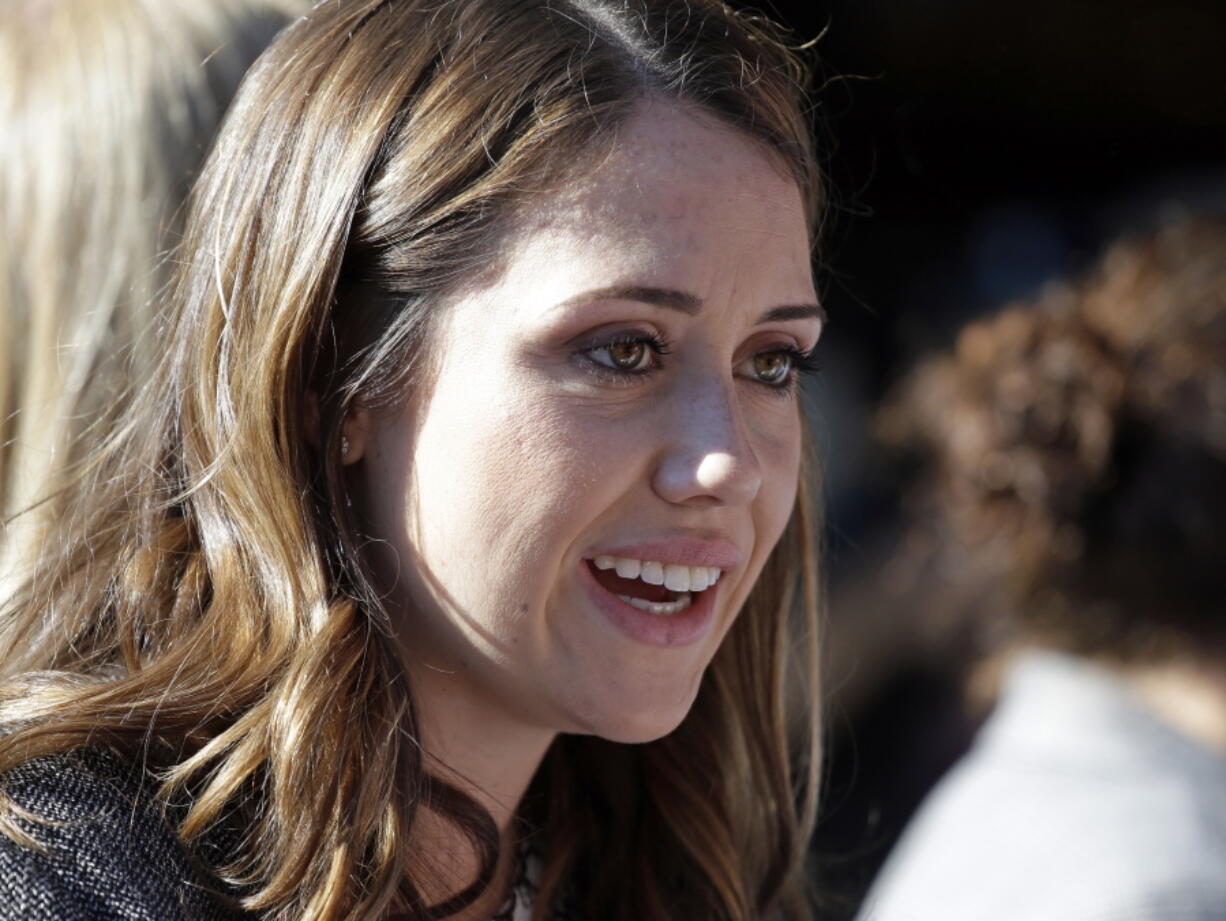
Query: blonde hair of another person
x,y
210,611
107,108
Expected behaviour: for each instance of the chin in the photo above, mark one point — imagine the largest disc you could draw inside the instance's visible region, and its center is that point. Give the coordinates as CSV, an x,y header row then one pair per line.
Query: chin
x,y
635,722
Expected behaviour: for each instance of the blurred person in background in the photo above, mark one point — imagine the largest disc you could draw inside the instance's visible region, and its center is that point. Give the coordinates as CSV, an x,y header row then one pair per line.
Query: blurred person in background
x,y
107,108
1072,505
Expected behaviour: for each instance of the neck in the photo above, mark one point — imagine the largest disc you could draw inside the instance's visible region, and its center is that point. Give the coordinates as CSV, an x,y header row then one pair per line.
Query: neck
x,y
1188,695
474,744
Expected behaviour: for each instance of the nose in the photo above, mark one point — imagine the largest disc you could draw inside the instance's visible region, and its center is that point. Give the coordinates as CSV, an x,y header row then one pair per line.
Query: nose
x,y
708,458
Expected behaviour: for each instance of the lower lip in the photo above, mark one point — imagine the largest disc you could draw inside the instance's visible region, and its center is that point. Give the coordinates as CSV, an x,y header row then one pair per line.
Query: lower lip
x,y
680,629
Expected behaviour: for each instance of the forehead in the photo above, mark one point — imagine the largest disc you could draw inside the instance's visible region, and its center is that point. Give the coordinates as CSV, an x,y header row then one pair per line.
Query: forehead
x,y
676,198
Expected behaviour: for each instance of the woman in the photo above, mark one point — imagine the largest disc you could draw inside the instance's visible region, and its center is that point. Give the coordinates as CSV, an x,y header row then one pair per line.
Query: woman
x,y
107,109
460,545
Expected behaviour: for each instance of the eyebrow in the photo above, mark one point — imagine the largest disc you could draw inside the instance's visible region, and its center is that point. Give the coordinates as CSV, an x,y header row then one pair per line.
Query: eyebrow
x,y
688,303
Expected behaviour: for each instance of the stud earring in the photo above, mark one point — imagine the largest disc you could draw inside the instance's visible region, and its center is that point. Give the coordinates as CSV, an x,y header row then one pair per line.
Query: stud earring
x,y
344,447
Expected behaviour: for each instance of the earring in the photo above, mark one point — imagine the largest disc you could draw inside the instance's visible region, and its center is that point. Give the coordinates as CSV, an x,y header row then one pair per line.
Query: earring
x,y
344,447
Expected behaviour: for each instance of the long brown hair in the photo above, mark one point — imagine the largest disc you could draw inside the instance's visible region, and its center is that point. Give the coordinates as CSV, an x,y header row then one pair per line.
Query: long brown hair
x,y
209,607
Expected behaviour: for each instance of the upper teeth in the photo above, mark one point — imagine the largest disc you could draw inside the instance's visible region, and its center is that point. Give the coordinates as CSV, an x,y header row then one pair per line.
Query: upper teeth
x,y
672,577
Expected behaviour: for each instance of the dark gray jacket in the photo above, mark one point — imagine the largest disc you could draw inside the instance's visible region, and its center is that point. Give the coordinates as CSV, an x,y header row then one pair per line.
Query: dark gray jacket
x,y
112,856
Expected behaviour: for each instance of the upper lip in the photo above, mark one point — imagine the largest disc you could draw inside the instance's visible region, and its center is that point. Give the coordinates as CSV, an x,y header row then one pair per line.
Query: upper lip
x,y
679,551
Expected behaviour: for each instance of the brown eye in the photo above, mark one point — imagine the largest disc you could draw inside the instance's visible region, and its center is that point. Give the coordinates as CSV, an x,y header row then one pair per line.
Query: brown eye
x,y
627,356
635,354
772,367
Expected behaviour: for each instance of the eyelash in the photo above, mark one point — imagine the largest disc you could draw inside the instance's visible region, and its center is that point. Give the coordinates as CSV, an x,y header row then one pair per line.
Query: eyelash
x,y
801,363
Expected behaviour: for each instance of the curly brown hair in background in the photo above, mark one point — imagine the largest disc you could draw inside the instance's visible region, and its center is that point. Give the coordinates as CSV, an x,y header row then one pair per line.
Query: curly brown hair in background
x,y
1073,454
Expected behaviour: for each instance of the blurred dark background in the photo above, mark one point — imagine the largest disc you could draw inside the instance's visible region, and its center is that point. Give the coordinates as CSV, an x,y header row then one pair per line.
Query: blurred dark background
x,y
974,152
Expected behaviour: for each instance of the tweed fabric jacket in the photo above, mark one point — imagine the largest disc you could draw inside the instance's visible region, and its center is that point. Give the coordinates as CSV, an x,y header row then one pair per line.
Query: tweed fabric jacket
x,y
110,853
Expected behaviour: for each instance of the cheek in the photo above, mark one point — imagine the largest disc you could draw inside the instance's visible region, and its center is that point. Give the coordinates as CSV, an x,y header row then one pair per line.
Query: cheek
x,y
778,448
505,476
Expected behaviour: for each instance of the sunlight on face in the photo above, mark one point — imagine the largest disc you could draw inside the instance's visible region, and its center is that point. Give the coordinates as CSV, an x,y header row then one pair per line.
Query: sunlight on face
x,y
615,407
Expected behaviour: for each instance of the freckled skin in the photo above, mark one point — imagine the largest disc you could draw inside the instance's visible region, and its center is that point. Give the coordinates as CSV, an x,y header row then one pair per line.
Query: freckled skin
x,y
521,460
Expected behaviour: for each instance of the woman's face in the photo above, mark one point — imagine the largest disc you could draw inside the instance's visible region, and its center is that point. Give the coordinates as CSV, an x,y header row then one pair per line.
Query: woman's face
x,y
612,405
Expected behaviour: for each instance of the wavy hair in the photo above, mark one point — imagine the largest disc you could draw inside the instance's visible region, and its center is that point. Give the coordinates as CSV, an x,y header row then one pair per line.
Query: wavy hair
x,y
208,608
107,111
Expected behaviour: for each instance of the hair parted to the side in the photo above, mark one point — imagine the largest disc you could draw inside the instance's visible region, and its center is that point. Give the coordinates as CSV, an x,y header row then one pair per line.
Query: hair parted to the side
x,y
209,609
108,109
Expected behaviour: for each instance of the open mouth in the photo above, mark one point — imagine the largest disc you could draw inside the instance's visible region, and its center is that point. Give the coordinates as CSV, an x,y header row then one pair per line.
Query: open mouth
x,y
657,588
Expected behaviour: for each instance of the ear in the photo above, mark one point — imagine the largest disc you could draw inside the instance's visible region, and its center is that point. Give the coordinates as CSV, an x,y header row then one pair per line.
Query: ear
x,y
354,430
355,434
